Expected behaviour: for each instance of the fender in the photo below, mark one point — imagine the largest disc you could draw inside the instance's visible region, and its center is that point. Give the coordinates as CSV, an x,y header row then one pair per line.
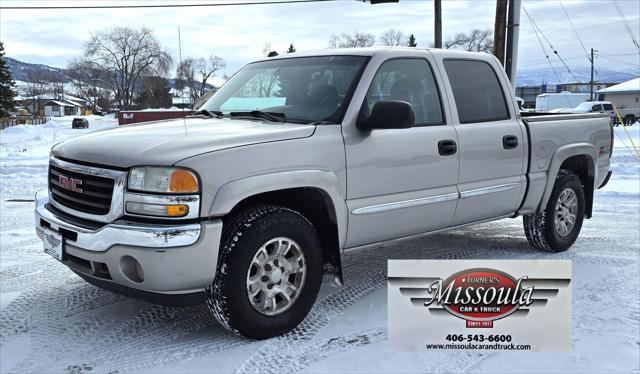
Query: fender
x,y
561,154
231,193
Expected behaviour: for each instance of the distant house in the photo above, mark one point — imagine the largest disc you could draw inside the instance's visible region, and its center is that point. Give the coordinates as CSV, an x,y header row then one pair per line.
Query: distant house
x,y
625,95
59,108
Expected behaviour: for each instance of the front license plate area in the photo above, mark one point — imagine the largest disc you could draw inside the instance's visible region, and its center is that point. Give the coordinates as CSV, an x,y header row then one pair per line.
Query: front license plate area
x,y
53,244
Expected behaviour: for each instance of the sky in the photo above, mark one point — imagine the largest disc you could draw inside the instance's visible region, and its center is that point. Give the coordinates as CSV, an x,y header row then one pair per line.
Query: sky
x,y
239,33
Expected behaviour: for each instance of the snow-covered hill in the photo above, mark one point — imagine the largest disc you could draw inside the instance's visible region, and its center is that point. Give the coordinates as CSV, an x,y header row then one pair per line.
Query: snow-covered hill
x,y
537,76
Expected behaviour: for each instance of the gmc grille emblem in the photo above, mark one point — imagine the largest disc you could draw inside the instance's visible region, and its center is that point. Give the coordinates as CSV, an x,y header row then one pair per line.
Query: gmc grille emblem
x,y
70,184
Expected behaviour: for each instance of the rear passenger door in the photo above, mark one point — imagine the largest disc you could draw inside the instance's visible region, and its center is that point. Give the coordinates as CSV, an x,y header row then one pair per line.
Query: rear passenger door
x,y
491,141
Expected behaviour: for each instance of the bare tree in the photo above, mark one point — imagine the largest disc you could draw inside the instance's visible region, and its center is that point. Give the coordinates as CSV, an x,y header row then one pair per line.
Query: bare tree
x,y
352,40
475,41
123,55
194,73
186,73
393,38
207,69
84,79
37,86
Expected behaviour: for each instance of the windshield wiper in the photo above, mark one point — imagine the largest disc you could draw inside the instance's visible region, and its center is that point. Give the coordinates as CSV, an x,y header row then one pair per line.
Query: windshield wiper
x,y
270,116
208,113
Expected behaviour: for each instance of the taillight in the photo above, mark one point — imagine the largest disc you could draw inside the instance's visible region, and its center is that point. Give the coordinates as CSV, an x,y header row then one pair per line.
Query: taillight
x,y
612,136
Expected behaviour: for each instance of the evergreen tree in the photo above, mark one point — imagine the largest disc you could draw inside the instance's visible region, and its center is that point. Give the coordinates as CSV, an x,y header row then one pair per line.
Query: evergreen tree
x,y
291,49
7,94
412,41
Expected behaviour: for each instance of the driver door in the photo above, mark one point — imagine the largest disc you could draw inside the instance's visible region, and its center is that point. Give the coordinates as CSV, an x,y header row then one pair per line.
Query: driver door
x,y
399,182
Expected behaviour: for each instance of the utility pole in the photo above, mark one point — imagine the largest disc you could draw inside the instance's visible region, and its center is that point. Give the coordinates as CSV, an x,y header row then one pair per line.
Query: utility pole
x,y
437,33
499,30
513,34
591,81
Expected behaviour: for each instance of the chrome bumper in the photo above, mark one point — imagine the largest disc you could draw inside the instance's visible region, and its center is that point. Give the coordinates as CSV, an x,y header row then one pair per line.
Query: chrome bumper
x,y
158,259
138,235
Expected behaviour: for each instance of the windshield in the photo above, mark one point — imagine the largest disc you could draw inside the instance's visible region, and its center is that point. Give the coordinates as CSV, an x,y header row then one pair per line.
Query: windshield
x,y
304,89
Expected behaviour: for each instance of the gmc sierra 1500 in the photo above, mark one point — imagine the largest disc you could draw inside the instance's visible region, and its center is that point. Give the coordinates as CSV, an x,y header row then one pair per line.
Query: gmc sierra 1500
x,y
298,158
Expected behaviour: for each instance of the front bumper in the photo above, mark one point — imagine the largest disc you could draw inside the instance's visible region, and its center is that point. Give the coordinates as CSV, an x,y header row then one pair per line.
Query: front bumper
x,y
160,259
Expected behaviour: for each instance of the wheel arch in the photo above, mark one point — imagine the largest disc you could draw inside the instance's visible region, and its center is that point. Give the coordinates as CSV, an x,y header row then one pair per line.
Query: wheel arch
x,y
581,160
316,194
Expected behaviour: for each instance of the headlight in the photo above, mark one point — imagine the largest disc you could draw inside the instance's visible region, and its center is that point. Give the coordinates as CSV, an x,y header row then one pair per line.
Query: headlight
x,y
163,180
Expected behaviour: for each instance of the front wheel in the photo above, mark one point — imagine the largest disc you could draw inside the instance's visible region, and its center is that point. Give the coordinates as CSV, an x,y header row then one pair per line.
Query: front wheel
x,y
557,227
269,272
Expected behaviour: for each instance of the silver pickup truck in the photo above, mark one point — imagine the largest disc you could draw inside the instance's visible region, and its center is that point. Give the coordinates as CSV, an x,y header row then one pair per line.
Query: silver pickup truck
x,y
299,158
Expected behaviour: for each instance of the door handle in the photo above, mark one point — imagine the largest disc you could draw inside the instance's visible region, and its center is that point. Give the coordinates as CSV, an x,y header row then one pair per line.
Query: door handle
x,y
509,141
447,147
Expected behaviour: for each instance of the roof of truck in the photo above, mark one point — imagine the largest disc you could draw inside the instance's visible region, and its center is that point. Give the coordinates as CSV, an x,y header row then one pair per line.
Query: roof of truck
x,y
370,51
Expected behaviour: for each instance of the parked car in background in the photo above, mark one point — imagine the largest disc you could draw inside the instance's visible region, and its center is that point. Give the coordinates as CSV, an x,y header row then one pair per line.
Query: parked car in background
x,y
80,123
628,117
245,204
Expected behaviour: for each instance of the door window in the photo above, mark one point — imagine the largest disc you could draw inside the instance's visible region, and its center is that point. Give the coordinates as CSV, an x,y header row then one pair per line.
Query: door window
x,y
477,91
409,80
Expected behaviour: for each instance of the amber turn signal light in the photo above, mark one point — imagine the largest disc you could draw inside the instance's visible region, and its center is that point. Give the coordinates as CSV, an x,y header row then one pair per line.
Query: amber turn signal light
x,y
183,181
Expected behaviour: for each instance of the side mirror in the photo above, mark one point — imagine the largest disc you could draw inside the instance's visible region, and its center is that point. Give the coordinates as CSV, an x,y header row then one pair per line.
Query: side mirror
x,y
390,114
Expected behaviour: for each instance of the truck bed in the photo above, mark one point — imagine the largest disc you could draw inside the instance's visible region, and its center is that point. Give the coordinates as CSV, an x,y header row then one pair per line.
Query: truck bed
x,y
554,134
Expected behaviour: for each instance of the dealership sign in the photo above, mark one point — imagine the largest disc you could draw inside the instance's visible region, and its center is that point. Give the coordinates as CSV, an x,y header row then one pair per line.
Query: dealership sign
x,y
480,304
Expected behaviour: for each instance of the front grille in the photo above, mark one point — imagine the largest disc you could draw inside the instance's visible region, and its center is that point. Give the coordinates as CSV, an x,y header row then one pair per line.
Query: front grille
x,y
95,197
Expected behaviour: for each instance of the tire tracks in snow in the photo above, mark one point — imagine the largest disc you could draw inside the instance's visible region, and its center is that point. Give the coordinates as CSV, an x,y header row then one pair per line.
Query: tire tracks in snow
x,y
366,277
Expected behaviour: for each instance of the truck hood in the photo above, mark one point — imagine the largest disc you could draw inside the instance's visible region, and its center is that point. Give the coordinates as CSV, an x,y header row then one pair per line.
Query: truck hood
x,y
167,142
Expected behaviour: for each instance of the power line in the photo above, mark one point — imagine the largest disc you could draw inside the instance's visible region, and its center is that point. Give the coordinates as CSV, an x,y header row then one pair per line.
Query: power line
x,y
538,62
617,54
164,5
544,50
535,27
620,61
626,25
555,51
578,36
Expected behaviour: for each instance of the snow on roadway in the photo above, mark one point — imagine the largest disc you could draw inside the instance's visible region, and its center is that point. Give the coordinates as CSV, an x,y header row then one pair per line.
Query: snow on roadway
x,y
51,321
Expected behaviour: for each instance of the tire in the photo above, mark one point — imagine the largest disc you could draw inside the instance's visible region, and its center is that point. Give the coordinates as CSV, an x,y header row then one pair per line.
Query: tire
x,y
540,228
629,120
243,245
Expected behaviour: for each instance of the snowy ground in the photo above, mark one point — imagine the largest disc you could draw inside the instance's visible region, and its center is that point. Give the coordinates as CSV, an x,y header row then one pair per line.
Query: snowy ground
x,y
51,321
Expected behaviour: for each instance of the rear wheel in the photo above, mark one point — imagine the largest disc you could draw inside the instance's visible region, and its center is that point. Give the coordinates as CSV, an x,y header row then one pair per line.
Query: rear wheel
x,y
629,120
269,272
557,227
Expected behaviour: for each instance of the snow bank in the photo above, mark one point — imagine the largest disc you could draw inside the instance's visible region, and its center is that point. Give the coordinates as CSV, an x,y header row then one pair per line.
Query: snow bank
x,y
24,151
625,164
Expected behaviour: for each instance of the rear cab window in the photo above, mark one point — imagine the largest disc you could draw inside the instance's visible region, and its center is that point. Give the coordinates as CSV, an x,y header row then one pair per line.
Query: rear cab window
x,y
477,91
